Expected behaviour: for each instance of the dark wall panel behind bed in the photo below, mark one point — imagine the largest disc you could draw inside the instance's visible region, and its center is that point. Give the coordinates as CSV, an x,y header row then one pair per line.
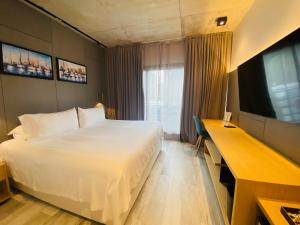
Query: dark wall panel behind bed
x,y
23,26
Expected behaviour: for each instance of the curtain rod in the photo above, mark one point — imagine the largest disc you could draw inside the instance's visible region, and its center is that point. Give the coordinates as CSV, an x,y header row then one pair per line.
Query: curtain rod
x,y
43,10
182,38
163,41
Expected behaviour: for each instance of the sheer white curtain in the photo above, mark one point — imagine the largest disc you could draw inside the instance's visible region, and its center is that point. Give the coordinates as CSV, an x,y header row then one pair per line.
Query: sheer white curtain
x,y
163,85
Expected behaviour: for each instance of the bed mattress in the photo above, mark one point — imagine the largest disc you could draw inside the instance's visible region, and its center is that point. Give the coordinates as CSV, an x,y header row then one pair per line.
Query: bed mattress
x,y
98,166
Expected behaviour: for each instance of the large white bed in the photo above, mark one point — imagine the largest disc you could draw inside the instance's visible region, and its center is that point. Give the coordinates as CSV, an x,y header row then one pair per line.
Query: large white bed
x,y
96,172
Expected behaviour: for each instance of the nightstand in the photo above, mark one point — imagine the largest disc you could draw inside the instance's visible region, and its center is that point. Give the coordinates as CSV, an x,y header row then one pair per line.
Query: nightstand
x,y
5,192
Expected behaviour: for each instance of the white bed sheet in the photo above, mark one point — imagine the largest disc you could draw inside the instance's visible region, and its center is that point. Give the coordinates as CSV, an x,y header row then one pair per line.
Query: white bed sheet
x,y
98,165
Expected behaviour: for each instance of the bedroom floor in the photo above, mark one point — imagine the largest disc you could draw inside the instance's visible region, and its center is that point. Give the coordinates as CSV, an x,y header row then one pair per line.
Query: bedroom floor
x,y
177,192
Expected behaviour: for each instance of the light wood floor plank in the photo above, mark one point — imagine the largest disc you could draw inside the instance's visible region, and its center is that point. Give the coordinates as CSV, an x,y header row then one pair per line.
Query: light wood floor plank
x,y
178,192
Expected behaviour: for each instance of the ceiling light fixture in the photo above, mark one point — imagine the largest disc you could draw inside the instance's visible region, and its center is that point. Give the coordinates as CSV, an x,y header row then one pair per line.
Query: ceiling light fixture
x,y
221,21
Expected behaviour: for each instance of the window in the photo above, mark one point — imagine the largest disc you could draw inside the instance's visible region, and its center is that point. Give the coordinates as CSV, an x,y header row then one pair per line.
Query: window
x,y
163,90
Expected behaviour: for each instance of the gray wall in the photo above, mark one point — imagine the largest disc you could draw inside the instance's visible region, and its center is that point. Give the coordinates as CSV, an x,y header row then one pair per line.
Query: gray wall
x,y
282,136
25,27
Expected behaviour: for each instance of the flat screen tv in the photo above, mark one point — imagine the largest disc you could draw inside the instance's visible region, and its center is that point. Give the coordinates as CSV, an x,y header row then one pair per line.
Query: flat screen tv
x,y
269,83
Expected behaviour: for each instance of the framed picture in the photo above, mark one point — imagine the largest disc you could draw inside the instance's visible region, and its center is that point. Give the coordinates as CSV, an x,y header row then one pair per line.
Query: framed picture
x,y
71,72
24,62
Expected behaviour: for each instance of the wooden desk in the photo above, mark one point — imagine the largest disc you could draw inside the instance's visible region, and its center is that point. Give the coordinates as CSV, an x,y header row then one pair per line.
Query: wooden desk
x,y
271,209
258,170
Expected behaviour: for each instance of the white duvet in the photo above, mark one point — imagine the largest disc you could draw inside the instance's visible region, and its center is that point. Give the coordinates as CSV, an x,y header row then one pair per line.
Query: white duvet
x,y
98,165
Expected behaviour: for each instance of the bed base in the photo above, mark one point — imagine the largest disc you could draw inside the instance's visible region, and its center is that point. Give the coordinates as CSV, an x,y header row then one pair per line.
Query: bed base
x,y
82,209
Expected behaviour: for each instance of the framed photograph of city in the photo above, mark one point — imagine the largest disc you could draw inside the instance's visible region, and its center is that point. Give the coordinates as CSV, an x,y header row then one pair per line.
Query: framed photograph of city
x,y
71,72
24,62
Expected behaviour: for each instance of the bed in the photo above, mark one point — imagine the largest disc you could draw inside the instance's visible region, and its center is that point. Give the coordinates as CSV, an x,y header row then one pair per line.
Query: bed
x,y
96,172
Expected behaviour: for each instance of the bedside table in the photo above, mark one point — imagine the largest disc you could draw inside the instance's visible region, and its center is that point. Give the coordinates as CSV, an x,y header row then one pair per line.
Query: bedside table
x,y
5,192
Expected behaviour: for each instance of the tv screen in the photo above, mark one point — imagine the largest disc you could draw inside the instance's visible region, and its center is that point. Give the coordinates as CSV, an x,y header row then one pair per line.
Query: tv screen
x,y
269,83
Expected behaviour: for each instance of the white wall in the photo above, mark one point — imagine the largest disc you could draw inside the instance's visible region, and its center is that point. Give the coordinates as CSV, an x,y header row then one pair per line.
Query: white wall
x,y
266,22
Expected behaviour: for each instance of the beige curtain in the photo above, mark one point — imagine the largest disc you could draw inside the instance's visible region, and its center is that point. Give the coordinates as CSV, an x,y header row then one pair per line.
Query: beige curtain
x,y
163,54
163,85
124,98
206,66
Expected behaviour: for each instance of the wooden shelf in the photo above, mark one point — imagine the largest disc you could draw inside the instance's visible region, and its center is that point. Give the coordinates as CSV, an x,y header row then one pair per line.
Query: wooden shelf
x,y
271,209
221,190
213,152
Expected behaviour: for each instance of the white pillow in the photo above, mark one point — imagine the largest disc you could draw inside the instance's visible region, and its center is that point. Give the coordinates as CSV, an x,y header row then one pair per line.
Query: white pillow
x,y
46,124
90,117
18,133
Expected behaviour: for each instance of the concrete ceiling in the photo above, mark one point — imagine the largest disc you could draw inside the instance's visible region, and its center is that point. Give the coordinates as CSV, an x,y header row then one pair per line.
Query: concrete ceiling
x,y
118,22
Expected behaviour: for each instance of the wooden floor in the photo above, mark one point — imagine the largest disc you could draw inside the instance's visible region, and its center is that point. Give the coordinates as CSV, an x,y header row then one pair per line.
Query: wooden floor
x,y
177,192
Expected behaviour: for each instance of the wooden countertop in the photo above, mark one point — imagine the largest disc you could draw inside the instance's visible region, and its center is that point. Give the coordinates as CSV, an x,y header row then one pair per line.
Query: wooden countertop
x,y
249,158
271,209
